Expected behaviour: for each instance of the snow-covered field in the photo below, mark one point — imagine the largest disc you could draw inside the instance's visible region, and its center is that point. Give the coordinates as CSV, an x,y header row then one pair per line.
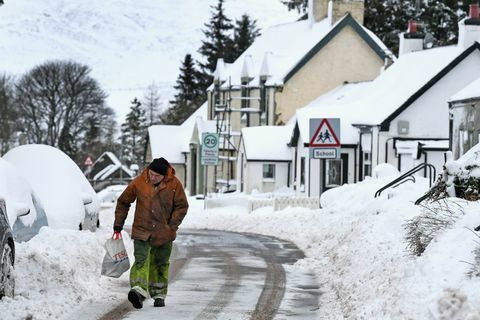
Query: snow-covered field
x,y
128,44
355,244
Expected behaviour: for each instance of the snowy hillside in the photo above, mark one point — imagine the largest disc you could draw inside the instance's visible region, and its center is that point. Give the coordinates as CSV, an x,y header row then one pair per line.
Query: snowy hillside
x,y
128,44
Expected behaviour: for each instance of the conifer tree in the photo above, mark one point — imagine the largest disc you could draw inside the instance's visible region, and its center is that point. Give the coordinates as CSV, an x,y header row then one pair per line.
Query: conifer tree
x,y
299,5
217,43
244,33
189,94
134,132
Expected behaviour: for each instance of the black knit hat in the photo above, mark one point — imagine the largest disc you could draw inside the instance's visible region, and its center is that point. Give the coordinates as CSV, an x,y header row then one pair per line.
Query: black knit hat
x,y
159,165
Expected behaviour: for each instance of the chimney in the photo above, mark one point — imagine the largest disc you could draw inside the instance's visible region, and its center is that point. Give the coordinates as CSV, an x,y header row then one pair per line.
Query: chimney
x,y
469,28
318,9
412,40
219,74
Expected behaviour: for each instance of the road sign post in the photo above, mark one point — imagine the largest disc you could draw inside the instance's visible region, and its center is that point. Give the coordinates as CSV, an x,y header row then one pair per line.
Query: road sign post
x,y
209,149
209,155
324,138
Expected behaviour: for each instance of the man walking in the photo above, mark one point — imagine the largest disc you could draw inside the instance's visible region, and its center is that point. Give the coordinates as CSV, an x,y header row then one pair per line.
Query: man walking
x,y
160,208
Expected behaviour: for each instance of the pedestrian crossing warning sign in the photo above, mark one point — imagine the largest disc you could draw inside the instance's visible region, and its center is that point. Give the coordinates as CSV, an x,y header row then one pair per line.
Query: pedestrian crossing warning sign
x,y
325,134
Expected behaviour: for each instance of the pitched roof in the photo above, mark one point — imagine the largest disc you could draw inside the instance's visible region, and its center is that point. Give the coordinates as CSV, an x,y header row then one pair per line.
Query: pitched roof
x,y
281,50
379,101
470,92
171,141
267,143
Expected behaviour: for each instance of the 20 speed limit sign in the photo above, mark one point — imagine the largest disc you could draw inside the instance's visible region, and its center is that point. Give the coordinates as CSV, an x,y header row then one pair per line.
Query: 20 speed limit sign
x,y
209,149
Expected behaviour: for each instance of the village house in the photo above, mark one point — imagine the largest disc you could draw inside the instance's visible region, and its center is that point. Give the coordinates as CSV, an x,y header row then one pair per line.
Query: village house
x,y
172,142
264,159
465,119
401,117
286,67
107,170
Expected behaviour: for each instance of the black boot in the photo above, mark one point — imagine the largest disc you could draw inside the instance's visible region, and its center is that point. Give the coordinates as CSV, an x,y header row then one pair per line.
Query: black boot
x,y
136,299
159,302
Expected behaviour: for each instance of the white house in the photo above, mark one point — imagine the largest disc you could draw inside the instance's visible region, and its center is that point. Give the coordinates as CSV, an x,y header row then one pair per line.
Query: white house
x,y
173,143
401,117
465,119
264,159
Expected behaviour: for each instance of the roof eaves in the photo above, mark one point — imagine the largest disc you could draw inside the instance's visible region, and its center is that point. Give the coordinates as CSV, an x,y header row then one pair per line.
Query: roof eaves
x,y
385,124
348,20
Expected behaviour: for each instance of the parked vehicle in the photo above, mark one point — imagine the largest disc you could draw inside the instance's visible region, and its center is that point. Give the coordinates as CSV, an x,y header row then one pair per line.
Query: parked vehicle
x,y
7,257
26,214
67,196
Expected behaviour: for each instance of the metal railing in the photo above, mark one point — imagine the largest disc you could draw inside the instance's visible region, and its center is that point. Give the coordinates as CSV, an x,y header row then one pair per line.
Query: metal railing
x,y
407,176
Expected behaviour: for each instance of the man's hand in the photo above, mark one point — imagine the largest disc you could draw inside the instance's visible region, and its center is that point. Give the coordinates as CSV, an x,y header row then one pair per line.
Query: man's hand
x,y
117,229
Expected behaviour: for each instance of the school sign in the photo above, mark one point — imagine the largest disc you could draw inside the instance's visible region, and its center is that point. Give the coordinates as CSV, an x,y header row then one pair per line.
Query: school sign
x,y
325,138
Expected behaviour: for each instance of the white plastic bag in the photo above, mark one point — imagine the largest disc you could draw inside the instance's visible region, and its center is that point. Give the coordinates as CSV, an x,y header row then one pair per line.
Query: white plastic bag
x,y
116,261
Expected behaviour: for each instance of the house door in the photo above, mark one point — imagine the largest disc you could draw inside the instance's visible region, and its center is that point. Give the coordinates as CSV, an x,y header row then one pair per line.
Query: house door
x,y
335,172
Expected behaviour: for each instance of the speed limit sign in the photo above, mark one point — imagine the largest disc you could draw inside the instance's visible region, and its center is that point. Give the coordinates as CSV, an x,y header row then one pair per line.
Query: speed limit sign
x,y
209,149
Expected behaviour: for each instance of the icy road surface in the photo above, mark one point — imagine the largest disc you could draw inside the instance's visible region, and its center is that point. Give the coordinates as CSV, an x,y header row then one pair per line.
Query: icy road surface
x,y
224,275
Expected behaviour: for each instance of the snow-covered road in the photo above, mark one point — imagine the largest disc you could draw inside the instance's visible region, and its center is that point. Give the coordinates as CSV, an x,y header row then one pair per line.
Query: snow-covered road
x,y
224,275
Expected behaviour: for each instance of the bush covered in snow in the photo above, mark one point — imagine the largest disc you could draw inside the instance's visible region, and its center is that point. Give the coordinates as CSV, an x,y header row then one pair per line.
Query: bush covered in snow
x,y
436,216
460,178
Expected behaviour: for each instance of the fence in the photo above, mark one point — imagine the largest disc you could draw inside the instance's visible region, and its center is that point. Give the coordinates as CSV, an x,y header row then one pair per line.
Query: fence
x,y
251,204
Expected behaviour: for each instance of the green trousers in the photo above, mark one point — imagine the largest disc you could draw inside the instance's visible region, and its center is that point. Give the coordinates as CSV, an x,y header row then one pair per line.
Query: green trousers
x,y
149,273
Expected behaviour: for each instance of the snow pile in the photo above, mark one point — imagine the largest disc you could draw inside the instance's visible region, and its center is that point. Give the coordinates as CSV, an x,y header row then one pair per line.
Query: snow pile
x,y
58,272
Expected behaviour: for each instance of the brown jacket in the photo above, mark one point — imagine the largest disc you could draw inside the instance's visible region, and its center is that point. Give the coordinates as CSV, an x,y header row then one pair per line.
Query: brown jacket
x,y
159,211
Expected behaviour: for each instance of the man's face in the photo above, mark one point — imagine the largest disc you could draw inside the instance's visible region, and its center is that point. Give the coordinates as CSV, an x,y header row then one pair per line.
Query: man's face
x,y
155,177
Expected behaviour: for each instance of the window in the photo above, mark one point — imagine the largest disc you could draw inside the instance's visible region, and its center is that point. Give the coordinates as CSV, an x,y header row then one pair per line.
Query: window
x,y
268,171
367,164
333,173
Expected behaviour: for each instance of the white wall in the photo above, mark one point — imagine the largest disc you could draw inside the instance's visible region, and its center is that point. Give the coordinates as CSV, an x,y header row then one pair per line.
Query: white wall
x,y
253,173
428,116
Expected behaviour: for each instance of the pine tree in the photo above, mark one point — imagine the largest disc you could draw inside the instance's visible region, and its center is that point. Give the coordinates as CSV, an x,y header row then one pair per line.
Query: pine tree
x,y
440,18
217,43
244,33
189,94
299,5
134,132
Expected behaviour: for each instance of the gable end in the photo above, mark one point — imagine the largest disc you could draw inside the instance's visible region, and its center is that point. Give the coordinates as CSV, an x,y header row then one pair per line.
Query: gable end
x,y
347,21
385,125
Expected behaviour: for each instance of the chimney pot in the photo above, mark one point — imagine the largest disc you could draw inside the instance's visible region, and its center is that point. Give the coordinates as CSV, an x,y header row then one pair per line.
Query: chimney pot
x,y
474,11
412,26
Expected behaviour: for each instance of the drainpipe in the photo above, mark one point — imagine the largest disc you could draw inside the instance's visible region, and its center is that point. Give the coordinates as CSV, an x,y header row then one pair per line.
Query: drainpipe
x,y
386,149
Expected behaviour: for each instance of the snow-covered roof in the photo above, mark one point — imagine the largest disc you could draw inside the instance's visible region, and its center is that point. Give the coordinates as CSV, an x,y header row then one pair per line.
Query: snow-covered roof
x,y
328,106
111,168
280,48
171,141
472,91
267,142
371,103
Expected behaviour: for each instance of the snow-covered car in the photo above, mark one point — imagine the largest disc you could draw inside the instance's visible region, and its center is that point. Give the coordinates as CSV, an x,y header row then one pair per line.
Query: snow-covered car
x,y
68,198
7,257
25,212
110,194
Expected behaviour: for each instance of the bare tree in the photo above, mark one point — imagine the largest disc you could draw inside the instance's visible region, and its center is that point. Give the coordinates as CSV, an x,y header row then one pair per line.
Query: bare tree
x,y
151,104
8,118
56,102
